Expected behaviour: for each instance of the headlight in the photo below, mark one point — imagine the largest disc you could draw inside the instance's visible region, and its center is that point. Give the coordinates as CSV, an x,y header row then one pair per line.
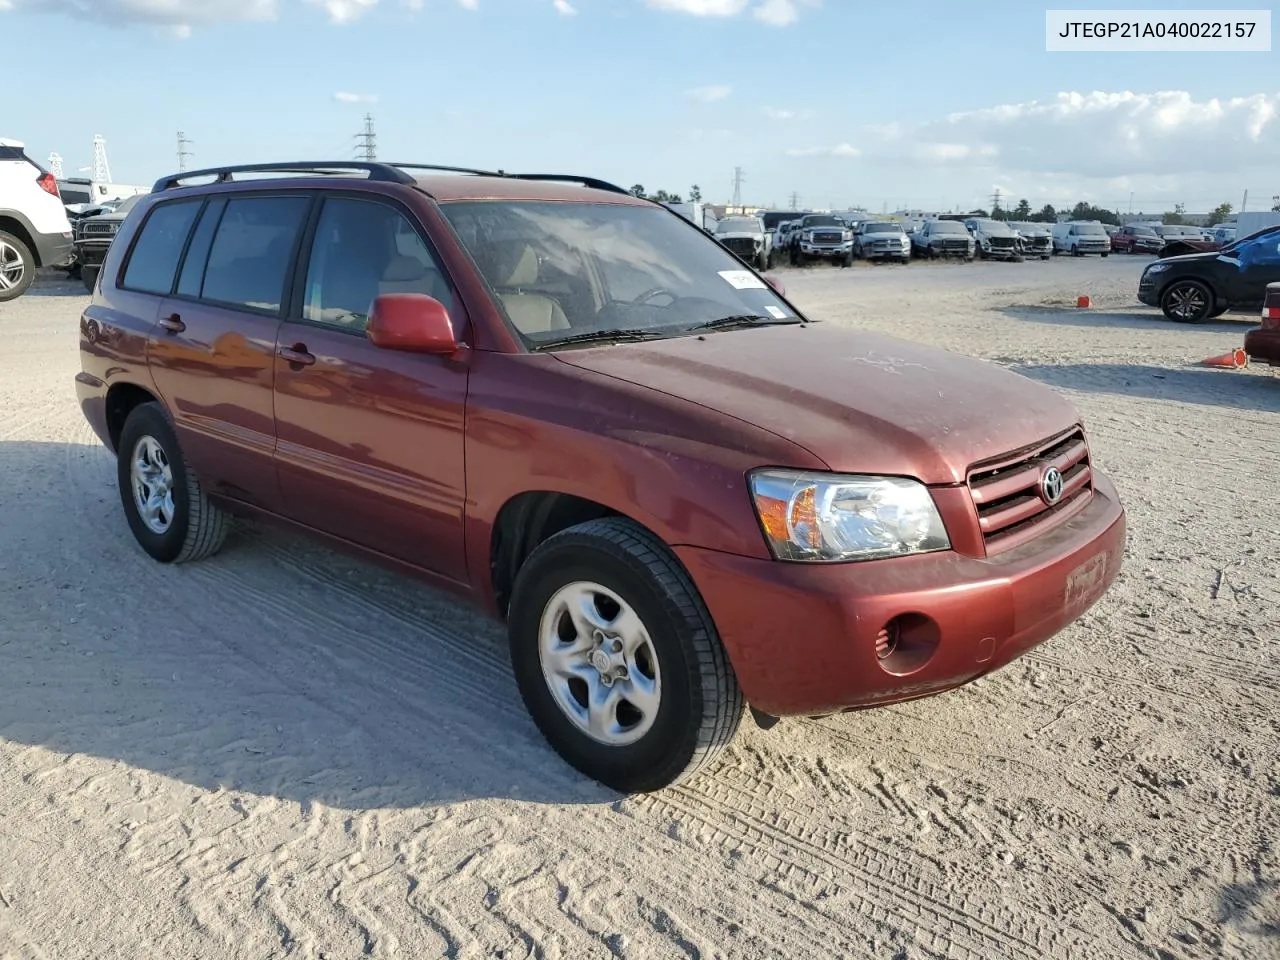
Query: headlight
x,y
1157,268
827,516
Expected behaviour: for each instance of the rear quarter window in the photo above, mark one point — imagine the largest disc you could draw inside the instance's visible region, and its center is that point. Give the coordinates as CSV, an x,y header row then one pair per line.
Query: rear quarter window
x,y
155,254
252,250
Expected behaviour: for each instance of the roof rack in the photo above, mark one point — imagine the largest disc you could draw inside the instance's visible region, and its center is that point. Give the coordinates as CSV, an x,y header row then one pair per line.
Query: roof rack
x,y
591,182
385,172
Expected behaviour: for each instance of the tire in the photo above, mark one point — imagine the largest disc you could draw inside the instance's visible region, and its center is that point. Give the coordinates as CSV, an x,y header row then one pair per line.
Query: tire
x,y
1218,311
1105,254
89,276
195,528
610,567
795,257
762,262
846,260
1186,301
1044,256
772,260
17,267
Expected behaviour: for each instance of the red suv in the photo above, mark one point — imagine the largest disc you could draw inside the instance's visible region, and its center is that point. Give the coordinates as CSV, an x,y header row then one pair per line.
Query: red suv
x,y
578,409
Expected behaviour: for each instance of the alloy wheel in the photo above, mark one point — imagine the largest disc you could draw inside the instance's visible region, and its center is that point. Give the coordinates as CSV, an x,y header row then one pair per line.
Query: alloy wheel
x,y
12,266
599,663
151,478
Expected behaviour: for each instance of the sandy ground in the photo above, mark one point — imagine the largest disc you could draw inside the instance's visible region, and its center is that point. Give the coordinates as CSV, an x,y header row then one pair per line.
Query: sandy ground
x,y
285,753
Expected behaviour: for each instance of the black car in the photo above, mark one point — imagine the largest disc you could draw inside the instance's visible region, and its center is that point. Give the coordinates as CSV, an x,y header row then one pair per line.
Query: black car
x,y
1201,286
93,235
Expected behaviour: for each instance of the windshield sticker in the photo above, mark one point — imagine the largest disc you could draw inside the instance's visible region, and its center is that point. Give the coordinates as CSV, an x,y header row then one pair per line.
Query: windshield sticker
x,y
742,280
777,312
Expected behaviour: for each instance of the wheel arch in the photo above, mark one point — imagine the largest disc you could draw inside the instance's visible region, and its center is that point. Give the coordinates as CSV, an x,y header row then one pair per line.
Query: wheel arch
x,y
14,223
121,400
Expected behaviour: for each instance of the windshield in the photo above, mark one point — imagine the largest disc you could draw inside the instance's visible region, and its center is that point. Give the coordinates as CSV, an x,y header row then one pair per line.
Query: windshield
x,y
561,269
1145,232
994,228
129,203
1177,231
739,225
881,228
1090,230
75,194
1027,227
948,226
822,222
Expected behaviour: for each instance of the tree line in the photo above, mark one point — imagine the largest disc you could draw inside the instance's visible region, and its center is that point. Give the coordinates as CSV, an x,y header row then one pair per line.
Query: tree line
x,y
1087,211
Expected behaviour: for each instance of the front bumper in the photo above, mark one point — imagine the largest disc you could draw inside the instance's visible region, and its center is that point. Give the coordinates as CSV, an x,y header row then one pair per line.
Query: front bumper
x,y
1002,253
1263,345
886,253
92,252
802,637
1148,292
829,252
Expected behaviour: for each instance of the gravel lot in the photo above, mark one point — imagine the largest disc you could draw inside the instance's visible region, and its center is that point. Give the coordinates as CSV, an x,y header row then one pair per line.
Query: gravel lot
x,y
284,752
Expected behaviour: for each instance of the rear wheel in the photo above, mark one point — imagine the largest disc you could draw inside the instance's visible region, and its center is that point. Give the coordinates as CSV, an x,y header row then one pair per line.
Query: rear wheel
x,y
167,509
89,276
617,658
17,267
1186,301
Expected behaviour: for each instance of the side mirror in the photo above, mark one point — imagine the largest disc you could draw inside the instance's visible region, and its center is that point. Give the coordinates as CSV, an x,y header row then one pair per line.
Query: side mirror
x,y
413,323
776,284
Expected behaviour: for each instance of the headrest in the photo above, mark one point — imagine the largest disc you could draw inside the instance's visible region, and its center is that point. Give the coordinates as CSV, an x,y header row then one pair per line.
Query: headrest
x,y
526,269
404,270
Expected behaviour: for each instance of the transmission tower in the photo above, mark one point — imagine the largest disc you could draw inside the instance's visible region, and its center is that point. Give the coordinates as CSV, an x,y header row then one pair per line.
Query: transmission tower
x,y
101,169
183,153
367,146
795,201
995,201
737,186
55,165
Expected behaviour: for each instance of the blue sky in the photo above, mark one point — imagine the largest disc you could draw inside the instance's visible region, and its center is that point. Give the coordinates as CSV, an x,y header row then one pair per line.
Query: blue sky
x,y
925,104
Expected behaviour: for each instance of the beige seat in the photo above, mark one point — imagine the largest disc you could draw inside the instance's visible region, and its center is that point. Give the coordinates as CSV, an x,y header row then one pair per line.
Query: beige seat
x,y
531,312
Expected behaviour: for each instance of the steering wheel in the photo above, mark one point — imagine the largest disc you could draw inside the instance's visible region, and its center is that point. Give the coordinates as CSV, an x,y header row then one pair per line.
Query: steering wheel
x,y
655,292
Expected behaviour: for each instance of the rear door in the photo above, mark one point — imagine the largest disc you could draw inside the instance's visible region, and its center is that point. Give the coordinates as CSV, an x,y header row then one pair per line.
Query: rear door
x,y
213,353
369,440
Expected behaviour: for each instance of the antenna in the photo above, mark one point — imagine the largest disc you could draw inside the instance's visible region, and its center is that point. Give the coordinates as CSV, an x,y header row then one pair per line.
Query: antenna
x,y
101,169
55,165
183,153
367,147
737,186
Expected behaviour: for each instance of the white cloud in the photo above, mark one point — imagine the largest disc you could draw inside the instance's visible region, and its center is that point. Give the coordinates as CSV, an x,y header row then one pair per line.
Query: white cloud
x,y
177,15
345,11
782,13
711,93
343,96
839,150
773,113
700,8
564,8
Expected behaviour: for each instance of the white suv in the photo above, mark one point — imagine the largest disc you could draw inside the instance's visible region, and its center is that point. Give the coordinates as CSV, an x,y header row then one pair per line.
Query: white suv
x,y
34,230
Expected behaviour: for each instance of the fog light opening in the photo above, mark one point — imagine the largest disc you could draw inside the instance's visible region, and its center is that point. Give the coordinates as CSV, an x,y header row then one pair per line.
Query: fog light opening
x,y
907,643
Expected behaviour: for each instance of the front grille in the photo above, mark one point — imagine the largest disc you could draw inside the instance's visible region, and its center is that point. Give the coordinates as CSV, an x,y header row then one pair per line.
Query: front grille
x,y
742,246
1006,490
958,243
827,238
91,229
1003,241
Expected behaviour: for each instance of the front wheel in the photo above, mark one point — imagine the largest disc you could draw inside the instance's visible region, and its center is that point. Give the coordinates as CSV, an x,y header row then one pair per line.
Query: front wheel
x,y
1186,301
618,660
1105,254
762,262
167,509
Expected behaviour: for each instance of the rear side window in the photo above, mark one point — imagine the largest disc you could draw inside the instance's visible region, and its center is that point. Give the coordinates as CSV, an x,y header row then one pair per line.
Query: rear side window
x,y
251,251
192,275
154,258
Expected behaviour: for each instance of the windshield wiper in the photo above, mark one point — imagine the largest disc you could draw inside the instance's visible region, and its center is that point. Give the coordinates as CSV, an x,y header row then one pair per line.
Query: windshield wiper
x,y
599,336
744,320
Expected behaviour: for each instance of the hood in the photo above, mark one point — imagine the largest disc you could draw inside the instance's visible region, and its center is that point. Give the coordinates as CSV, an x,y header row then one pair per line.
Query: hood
x,y
738,235
860,402
1190,258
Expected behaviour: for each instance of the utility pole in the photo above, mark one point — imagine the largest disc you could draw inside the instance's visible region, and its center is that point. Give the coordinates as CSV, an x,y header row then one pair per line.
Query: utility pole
x,y
795,201
183,153
737,186
1245,202
368,140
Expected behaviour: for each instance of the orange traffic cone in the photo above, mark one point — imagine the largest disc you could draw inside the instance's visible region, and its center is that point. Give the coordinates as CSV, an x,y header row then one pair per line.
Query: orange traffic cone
x,y
1234,360
1083,303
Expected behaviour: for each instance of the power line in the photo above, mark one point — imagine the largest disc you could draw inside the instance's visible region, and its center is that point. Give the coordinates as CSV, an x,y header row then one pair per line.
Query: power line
x,y
367,146
737,186
183,153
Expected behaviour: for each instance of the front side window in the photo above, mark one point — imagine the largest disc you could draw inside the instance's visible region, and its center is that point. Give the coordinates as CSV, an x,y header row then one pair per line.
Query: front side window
x,y
363,249
154,258
249,259
563,268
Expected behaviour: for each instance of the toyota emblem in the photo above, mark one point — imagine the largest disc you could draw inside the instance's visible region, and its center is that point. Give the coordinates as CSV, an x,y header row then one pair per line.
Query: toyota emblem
x,y
1051,485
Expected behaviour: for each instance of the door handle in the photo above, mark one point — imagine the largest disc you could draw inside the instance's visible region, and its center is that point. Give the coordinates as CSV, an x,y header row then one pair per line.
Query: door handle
x,y
173,323
297,354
